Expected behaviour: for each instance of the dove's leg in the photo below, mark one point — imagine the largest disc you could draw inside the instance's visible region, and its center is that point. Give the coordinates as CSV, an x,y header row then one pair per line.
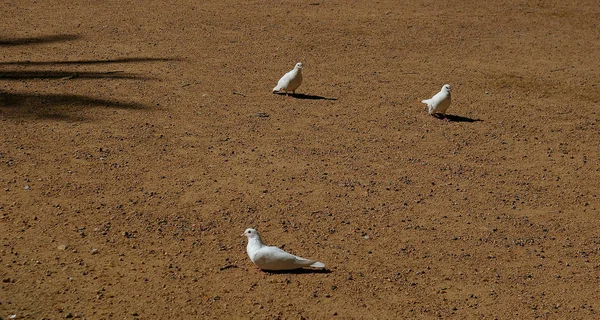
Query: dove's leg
x,y
440,116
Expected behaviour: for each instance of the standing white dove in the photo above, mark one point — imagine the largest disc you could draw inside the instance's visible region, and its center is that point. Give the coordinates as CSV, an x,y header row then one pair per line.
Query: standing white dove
x,y
272,258
439,103
290,81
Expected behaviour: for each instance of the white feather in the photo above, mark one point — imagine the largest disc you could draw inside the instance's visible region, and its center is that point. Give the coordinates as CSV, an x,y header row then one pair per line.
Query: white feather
x,y
273,258
291,80
440,102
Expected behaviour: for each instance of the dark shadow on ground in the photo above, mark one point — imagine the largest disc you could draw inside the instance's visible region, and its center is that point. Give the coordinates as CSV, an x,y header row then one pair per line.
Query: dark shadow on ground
x,y
54,106
304,96
299,271
61,106
455,118
37,40
65,75
107,61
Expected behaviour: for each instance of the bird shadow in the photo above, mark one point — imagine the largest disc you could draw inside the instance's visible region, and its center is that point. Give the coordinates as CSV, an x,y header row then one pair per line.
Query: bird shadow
x,y
299,271
305,96
455,118
37,40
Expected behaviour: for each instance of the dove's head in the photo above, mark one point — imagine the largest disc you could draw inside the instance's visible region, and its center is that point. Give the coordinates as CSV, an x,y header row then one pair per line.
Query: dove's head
x,y
447,88
298,65
251,234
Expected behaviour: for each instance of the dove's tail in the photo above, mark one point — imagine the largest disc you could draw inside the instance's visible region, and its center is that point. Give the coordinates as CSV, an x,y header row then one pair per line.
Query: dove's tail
x,y
317,265
428,103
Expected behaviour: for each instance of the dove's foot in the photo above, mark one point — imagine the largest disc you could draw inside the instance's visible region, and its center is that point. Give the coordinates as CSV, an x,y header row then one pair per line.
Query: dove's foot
x,y
440,116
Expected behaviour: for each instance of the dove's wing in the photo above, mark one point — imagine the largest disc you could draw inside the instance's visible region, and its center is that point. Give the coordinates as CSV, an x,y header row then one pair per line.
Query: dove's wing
x,y
438,103
442,102
295,80
273,258
289,82
284,82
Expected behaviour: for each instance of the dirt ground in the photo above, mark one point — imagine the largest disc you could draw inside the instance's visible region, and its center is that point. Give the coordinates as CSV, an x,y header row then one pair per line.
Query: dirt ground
x,y
139,140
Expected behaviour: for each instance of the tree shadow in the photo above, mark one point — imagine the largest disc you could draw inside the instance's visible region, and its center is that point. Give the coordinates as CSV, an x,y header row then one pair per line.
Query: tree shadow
x,y
304,96
54,106
298,271
37,40
84,62
60,106
65,75
455,118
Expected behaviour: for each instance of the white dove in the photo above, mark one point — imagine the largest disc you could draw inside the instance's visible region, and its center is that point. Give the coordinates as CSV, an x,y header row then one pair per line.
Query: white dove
x,y
439,103
272,258
290,81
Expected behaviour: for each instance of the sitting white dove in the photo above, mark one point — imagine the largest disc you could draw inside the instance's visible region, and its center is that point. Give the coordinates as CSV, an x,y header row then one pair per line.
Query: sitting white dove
x,y
439,103
290,81
272,258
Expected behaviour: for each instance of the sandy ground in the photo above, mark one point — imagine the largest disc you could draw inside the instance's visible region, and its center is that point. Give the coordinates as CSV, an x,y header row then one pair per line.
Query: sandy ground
x,y
139,140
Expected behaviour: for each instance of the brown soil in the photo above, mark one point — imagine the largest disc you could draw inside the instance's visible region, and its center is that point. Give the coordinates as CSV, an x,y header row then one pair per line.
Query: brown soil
x,y
136,148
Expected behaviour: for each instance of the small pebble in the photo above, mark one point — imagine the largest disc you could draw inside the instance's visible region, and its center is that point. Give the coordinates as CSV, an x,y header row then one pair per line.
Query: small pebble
x,y
94,251
62,247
